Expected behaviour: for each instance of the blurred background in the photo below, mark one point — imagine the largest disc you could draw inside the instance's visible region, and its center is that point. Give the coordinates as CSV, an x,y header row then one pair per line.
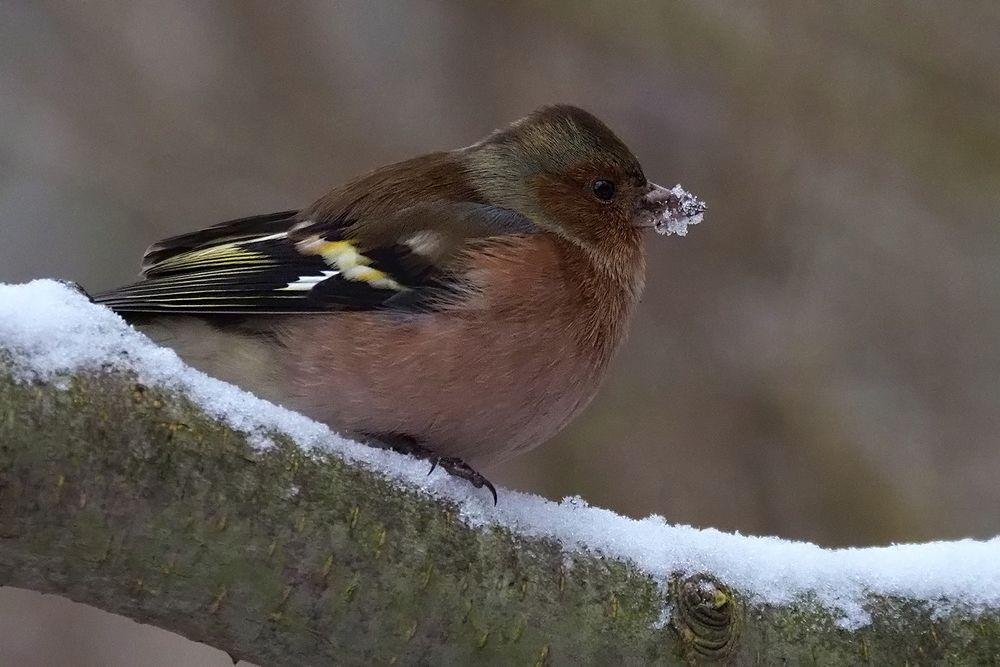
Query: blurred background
x,y
818,360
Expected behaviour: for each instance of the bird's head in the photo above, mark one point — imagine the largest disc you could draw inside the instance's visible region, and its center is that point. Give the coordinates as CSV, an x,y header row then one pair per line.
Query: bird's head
x,y
564,169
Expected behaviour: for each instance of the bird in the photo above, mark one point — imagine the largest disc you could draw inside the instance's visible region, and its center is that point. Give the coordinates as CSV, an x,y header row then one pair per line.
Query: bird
x,y
460,306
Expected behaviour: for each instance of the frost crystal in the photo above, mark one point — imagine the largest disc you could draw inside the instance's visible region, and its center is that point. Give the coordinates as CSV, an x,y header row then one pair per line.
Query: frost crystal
x,y
682,209
670,211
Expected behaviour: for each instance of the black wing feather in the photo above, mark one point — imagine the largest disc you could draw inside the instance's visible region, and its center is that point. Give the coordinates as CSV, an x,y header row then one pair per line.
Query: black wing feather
x,y
255,278
277,263
231,230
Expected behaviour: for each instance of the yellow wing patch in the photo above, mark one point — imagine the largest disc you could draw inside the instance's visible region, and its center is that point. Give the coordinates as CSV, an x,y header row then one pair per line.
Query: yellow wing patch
x,y
353,265
219,256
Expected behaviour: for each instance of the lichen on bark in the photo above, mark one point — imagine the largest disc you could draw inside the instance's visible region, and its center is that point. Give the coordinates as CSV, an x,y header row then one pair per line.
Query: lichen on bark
x,y
131,499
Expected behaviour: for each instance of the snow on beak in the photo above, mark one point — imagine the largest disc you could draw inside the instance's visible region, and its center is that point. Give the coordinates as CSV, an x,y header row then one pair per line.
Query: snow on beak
x,y
669,211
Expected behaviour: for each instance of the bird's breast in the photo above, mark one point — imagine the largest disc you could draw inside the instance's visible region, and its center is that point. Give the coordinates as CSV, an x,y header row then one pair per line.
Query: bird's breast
x,y
499,373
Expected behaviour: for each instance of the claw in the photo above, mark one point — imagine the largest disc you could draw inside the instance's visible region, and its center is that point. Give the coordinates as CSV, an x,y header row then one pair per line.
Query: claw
x,y
405,444
492,489
459,468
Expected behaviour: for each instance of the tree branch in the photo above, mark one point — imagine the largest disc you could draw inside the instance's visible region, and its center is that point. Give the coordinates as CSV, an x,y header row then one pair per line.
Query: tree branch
x,y
132,500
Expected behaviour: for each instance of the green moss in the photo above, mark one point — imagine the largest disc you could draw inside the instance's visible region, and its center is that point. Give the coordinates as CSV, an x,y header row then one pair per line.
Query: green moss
x,y
134,501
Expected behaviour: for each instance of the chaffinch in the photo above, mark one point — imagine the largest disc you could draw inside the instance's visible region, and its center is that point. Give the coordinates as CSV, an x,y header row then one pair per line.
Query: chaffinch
x,y
460,305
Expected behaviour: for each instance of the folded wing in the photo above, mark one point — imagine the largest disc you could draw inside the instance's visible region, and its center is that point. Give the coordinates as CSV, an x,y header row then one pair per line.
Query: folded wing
x,y
279,263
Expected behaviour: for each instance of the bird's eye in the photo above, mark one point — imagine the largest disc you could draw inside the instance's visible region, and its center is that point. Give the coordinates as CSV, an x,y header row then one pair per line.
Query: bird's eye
x,y
603,190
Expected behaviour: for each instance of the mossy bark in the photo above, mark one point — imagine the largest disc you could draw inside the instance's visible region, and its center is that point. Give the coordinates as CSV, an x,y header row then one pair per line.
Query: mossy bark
x,y
132,500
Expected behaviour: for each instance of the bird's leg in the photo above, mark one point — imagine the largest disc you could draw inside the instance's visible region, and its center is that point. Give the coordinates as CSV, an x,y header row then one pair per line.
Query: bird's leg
x,y
405,444
397,442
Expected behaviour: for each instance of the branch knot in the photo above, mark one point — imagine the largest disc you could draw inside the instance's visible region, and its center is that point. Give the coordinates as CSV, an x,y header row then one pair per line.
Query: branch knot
x,y
706,617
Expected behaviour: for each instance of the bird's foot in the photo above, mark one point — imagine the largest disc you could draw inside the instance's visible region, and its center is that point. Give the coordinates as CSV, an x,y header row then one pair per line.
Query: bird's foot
x,y
458,468
405,444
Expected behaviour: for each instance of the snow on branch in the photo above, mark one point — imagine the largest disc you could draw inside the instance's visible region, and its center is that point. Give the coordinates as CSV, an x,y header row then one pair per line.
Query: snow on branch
x,y
138,485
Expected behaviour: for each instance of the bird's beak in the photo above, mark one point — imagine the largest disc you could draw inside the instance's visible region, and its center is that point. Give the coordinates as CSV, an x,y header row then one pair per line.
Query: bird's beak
x,y
668,211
